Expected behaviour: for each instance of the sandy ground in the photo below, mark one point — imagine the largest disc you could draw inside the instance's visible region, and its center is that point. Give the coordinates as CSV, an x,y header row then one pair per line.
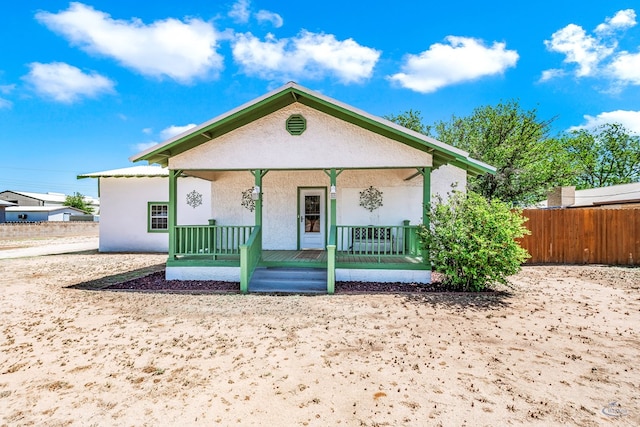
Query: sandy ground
x,y
562,348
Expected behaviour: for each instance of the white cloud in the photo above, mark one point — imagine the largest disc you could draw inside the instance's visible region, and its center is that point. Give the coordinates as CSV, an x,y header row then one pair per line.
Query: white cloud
x,y
621,20
271,17
308,55
5,104
579,48
462,59
144,146
147,131
181,50
240,11
551,73
628,119
597,55
626,68
66,83
173,130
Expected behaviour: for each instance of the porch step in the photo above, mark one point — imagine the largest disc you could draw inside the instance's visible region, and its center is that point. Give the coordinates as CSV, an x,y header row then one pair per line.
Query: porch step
x,y
294,280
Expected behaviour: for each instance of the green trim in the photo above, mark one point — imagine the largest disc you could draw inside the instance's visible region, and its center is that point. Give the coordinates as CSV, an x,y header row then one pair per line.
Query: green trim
x,y
326,231
250,257
258,174
202,262
157,230
291,93
173,210
426,206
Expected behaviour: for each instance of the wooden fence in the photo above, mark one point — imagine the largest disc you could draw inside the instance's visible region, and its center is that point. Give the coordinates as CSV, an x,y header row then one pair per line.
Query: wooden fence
x,y
583,236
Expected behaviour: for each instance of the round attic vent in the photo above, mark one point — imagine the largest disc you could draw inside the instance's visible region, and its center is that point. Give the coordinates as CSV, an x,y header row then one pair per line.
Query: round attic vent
x,y
296,124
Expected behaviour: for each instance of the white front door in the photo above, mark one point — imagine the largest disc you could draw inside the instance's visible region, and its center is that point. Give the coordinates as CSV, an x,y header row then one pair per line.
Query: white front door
x,y
311,218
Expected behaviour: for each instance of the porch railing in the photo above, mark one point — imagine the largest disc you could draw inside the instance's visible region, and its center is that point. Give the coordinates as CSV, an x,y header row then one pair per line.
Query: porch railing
x,y
250,255
213,240
377,240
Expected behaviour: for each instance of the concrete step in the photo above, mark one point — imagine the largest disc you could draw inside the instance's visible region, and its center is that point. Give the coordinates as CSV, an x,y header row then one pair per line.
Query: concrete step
x,y
294,280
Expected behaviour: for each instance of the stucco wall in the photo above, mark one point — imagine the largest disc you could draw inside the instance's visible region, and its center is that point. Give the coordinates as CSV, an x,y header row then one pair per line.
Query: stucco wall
x,y
327,142
123,215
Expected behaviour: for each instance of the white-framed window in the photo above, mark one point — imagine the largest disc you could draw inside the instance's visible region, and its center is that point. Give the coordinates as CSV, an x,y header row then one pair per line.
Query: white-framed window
x,y
158,217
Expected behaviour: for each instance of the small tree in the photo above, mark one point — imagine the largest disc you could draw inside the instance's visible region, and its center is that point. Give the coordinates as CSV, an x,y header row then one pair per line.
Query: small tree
x,y
472,241
79,202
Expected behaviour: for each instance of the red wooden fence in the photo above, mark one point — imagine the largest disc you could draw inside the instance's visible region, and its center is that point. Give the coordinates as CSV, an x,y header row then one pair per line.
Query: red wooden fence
x,y
583,236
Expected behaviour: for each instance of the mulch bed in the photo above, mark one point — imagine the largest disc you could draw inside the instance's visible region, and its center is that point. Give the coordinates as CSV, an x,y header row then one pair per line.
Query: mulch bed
x,y
157,282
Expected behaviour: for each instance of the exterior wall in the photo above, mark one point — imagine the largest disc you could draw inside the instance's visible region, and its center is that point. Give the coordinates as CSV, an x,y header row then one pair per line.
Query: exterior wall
x,y
444,177
327,142
402,200
2,214
21,230
123,216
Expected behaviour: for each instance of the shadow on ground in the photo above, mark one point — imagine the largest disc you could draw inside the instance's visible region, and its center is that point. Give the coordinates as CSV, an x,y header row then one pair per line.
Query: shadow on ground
x,y
463,301
107,281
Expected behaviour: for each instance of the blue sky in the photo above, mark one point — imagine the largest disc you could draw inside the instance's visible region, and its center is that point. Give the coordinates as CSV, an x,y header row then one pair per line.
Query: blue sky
x,y
85,85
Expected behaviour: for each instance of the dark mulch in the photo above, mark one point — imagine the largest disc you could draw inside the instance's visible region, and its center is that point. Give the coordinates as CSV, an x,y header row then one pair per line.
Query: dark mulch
x,y
156,282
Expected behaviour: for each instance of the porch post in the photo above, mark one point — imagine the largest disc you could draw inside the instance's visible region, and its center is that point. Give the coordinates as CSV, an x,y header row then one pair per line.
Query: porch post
x,y
172,219
426,195
258,174
426,204
331,246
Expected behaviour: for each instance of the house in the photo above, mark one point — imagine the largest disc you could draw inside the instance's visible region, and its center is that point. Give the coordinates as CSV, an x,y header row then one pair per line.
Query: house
x,y
613,196
3,205
291,179
40,213
24,198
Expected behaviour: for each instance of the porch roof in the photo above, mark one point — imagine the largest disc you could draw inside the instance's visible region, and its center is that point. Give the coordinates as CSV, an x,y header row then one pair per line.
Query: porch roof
x,y
290,93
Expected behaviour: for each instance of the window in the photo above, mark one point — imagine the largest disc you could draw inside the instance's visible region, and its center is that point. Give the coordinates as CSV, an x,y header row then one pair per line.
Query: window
x,y
158,217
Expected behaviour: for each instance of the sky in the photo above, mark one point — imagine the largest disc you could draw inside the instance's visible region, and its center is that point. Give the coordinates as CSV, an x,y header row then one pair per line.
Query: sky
x,y
86,85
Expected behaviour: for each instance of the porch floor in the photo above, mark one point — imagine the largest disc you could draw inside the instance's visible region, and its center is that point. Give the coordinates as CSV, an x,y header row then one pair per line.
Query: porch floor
x,y
319,258
316,259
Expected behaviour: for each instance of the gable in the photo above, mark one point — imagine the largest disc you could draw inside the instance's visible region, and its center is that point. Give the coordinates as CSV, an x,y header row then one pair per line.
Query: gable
x,y
292,93
326,142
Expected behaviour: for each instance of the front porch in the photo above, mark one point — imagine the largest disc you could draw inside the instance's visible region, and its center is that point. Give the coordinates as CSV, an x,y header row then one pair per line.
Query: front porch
x,y
353,253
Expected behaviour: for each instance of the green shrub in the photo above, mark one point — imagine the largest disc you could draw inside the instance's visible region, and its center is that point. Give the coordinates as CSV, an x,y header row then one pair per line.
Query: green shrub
x,y
472,241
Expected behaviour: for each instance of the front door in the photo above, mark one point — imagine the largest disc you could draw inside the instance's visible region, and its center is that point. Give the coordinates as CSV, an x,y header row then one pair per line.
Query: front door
x,y
311,218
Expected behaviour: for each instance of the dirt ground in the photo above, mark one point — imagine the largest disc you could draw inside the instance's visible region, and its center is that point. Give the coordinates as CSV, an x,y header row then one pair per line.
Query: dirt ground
x,y
560,348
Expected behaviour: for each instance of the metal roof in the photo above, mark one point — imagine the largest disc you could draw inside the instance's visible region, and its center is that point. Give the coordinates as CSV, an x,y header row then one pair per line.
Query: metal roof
x,y
130,172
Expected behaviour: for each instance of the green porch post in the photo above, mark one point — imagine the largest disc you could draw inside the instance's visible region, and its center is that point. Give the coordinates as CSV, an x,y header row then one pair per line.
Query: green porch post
x,y
426,204
172,220
258,174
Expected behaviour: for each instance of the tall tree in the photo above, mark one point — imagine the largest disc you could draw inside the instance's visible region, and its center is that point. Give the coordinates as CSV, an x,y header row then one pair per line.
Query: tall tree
x,y
606,155
78,201
411,120
528,161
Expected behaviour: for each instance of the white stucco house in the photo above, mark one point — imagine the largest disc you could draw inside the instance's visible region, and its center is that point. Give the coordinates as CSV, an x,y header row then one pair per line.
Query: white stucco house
x,y
290,179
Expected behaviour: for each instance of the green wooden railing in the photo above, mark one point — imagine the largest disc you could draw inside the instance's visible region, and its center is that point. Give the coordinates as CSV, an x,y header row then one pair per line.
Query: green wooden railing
x,y
210,240
250,255
377,240
331,260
